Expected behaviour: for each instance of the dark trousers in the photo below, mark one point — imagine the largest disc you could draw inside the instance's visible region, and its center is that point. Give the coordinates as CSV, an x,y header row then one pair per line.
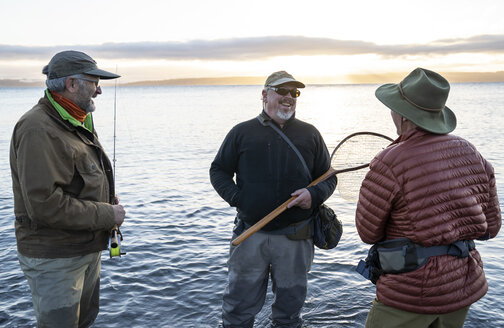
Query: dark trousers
x,y
250,265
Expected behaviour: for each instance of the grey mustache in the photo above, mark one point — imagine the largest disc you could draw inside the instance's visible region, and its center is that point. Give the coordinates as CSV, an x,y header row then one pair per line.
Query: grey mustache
x,y
287,100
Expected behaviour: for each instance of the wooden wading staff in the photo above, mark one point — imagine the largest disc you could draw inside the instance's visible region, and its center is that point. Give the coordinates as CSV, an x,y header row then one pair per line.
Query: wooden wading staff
x,y
280,209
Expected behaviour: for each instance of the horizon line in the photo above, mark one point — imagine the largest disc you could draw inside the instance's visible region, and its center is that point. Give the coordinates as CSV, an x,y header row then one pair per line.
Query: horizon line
x,y
452,77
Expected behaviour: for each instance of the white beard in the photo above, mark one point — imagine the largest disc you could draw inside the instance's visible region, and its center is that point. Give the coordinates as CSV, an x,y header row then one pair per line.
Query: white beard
x,y
285,116
90,107
87,106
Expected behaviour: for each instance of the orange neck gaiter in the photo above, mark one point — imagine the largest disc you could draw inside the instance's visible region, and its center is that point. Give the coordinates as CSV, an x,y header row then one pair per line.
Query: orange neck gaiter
x,y
70,107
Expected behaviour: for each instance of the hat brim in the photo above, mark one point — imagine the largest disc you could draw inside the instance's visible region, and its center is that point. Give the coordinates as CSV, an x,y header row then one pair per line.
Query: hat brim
x,y
104,75
287,80
441,122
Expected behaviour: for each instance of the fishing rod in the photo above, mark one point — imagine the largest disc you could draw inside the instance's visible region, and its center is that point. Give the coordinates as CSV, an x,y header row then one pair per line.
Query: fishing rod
x,y
115,237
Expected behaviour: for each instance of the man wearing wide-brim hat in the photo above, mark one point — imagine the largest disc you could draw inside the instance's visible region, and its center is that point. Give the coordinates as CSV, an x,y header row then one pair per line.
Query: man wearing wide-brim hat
x,y
64,198
436,190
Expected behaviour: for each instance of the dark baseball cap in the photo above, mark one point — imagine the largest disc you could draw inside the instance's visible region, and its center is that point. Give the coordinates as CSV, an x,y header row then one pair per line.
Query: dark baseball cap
x,y
72,62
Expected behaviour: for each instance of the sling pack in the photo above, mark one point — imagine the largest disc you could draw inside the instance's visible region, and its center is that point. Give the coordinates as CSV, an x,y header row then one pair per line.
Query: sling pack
x,y
402,255
325,226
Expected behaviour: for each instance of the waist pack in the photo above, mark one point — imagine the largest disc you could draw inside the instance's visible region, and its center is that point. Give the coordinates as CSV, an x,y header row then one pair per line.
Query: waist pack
x,y
327,229
402,255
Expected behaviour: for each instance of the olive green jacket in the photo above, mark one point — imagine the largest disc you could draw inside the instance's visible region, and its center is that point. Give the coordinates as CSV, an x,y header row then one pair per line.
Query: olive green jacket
x,y
63,186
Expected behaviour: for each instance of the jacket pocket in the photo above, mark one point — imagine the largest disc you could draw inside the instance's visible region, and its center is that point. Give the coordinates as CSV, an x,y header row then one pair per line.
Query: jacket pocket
x,y
93,178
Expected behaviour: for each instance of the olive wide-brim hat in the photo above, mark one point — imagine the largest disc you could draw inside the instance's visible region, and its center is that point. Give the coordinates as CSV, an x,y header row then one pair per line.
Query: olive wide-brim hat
x,y
420,97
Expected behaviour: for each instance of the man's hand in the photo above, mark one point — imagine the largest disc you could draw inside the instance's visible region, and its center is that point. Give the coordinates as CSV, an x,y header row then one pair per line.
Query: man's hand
x,y
302,200
119,214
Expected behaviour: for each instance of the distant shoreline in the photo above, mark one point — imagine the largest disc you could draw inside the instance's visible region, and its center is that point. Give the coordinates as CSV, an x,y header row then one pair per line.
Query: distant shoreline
x,y
453,77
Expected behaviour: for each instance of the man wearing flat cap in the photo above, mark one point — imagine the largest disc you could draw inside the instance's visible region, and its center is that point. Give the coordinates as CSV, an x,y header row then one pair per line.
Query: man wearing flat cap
x,y
268,172
431,194
64,197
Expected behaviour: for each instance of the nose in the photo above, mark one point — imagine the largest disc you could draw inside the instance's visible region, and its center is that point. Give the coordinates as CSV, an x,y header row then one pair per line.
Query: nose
x,y
98,91
291,98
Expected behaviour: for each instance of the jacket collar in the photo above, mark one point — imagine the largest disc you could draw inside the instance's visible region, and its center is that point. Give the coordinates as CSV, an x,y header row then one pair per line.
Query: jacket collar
x,y
84,134
88,121
411,134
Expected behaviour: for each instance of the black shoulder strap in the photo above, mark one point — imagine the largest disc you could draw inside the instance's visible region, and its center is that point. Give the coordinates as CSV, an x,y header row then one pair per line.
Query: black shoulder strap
x,y
287,140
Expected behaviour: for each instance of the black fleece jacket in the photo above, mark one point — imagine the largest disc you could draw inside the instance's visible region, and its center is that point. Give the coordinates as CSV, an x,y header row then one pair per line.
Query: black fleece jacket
x,y
268,170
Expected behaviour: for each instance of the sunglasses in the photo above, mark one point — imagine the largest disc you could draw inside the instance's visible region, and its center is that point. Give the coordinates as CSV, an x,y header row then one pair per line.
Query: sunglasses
x,y
284,91
89,80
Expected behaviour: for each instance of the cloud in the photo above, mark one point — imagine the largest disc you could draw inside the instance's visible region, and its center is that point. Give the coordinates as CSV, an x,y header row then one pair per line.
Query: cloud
x,y
257,48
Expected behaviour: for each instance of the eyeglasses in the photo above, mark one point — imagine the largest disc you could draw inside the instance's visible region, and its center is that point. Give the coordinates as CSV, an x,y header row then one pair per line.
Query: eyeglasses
x,y
284,91
89,80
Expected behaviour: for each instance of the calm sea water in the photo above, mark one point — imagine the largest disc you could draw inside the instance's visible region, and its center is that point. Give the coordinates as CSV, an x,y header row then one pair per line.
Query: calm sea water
x,y
178,229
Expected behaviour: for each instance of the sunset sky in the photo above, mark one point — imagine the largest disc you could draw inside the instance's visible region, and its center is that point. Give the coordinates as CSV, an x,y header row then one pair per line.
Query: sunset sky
x,y
319,41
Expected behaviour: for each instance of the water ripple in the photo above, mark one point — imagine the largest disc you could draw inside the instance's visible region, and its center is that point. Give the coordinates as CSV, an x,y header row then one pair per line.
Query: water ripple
x,y
177,230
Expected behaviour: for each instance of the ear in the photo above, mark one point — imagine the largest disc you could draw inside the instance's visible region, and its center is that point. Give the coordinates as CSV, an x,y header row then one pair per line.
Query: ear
x,y
264,95
71,85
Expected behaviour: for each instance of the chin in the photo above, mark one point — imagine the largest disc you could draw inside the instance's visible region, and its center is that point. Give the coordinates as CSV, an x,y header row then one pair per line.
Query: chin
x,y
90,108
285,116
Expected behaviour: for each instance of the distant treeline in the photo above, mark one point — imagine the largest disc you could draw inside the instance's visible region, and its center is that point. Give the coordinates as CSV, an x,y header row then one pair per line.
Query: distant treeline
x,y
453,77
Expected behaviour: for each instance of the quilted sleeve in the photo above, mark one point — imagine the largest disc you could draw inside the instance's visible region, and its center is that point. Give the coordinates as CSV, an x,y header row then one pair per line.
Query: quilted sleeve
x,y
492,209
377,193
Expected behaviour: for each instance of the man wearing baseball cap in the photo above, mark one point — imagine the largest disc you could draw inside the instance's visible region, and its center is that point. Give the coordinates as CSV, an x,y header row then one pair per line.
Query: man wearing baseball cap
x,y
64,197
268,172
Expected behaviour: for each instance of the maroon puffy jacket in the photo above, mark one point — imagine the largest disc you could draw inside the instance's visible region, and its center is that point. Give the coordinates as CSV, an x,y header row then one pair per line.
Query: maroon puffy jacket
x,y
435,190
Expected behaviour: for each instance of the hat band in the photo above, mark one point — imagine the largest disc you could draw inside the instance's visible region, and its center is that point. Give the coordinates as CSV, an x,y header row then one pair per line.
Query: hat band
x,y
418,106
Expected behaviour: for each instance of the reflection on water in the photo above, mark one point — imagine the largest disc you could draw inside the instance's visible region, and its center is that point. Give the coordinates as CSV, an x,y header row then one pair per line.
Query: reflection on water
x,y
178,229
